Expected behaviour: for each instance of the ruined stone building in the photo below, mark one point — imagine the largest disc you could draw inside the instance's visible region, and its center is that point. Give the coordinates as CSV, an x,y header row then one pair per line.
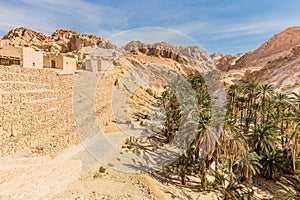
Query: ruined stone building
x,y
99,59
21,56
92,63
59,61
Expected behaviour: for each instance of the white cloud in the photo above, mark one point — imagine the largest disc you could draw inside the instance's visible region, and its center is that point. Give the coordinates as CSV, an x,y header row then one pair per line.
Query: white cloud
x,y
49,15
263,27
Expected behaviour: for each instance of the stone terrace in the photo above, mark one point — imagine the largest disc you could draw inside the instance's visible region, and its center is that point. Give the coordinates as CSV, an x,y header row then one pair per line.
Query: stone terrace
x,y
35,112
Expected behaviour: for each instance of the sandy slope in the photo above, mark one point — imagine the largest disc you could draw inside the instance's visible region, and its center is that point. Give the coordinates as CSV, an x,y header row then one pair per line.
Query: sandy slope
x,y
119,185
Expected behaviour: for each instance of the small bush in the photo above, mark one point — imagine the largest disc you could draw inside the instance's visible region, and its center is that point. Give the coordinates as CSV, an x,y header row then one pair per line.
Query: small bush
x,y
97,175
102,169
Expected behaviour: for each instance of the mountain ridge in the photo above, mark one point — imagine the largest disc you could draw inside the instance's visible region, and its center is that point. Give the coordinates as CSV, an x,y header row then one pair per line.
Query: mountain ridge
x,y
61,40
278,45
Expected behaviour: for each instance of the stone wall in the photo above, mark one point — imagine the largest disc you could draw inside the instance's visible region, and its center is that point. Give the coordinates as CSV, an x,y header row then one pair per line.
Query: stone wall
x,y
36,115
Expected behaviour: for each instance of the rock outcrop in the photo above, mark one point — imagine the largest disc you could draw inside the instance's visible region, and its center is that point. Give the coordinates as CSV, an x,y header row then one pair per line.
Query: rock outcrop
x,y
192,55
61,41
72,40
224,62
24,36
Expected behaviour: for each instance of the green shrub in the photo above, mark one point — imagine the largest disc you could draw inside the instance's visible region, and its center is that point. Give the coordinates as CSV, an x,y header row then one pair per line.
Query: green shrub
x,y
102,169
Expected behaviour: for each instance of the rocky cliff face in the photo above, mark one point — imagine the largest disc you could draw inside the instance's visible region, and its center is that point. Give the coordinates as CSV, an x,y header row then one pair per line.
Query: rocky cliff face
x,y
62,41
283,72
224,62
191,55
163,49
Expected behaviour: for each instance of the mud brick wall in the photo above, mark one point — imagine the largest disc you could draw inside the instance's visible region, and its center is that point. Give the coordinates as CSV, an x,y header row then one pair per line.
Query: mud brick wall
x,y
36,116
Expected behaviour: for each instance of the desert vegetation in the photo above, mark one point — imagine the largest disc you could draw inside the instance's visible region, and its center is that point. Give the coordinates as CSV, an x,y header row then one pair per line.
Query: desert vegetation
x,y
259,138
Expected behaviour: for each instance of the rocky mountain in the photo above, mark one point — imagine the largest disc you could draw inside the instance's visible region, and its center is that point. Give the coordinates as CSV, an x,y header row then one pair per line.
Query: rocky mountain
x,y
283,72
279,45
62,41
275,61
224,61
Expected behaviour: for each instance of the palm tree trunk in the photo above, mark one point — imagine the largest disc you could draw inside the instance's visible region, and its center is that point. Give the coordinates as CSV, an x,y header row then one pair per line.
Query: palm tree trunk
x,y
282,134
230,170
216,158
203,176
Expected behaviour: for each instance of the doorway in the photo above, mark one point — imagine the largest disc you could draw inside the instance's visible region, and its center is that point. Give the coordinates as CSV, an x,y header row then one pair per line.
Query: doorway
x,y
53,64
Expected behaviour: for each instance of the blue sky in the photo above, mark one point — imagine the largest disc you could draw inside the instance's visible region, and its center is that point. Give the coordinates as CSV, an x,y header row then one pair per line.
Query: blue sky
x,y
223,26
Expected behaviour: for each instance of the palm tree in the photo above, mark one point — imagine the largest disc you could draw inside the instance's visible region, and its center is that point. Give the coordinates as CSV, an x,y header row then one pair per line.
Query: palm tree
x,y
294,144
233,191
281,104
291,187
201,140
251,93
256,109
247,166
251,90
249,144
265,91
293,140
273,162
234,145
241,105
173,116
263,138
198,83
296,100
201,133
269,109
232,93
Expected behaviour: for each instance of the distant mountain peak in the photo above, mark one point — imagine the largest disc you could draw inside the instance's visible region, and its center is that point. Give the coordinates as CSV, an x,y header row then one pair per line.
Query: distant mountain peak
x,y
278,45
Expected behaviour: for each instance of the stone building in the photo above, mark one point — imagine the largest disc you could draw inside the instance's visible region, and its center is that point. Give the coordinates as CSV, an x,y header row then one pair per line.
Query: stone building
x,y
99,59
59,61
92,63
32,58
22,56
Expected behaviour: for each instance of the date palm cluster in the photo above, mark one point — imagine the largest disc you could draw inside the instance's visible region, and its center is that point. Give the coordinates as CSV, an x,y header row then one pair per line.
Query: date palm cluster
x,y
260,137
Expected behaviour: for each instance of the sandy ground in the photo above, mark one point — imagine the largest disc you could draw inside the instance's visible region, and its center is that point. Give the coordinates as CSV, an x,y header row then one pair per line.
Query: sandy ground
x,y
115,185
